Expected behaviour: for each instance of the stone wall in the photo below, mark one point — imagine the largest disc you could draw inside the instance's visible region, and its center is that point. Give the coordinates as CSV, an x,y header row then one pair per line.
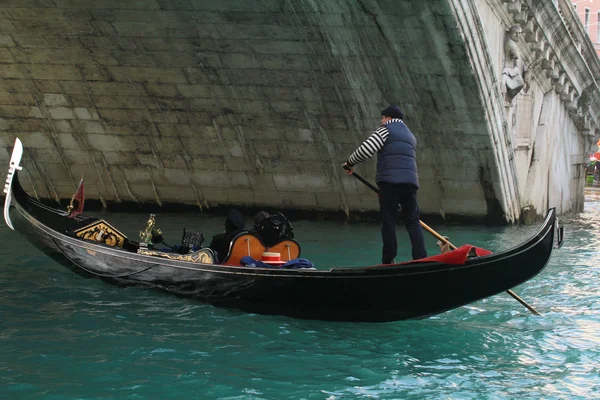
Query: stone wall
x,y
254,102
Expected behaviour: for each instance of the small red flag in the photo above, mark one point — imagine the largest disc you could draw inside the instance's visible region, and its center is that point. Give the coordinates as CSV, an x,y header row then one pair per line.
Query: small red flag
x,y
79,196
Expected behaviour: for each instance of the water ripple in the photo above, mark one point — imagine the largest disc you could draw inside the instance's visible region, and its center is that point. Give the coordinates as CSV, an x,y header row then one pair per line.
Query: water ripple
x,y
67,337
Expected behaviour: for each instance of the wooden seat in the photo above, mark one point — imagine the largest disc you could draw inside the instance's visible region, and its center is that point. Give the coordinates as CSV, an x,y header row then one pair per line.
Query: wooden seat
x,y
289,249
244,244
248,244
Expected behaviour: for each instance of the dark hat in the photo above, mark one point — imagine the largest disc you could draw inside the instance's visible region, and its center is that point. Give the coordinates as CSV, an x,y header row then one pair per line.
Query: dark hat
x,y
393,111
235,220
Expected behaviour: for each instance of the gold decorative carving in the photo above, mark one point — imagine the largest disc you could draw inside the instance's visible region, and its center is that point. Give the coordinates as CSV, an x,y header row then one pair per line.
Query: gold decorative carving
x,y
101,231
203,256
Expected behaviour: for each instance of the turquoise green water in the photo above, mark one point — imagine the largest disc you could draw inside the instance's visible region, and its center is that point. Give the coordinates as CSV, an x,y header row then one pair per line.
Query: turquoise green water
x,y
65,337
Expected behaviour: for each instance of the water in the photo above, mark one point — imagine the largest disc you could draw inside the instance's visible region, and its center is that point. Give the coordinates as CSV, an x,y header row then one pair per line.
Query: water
x,y
65,337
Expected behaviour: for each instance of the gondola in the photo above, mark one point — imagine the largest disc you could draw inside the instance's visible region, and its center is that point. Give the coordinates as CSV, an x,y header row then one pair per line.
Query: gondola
x,y
92,247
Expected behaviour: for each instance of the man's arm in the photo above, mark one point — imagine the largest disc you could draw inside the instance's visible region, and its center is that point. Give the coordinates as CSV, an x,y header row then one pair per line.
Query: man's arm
x,y
369,147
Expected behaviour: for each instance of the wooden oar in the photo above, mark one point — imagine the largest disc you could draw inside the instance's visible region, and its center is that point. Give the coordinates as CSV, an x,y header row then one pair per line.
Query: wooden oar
x,y
444,240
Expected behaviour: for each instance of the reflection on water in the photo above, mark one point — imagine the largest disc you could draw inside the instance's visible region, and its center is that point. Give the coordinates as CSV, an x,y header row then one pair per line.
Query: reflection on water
x,y
67,337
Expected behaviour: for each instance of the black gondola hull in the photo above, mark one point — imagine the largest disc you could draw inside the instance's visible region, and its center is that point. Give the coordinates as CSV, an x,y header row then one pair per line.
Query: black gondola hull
x,y
374,294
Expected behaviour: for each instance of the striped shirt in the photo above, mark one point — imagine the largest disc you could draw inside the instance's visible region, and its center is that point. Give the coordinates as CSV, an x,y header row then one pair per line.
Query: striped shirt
x,y
372,145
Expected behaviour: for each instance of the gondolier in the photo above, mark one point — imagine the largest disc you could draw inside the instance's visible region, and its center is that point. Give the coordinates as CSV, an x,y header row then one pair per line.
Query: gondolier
x,y
397,178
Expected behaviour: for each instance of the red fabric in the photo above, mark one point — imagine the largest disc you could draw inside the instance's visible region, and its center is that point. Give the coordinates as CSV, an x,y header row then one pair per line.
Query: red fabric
x,y
454,257
80,199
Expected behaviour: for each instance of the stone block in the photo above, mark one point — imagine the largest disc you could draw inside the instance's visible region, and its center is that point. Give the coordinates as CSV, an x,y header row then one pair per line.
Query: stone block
x,y
298,199
237,5
245,106
240,196
20,112
286,62
52,72
266,148
166,116
175,5
163,103
134,58
124,102
147,74
282,47
261,183
116,4
123,115
100,56
221,179
11,71
173,177
173,44
287,107
88,126
54,99
47,86
240,60
62,126
165,29
37,140
7,41
49,157
6,26
104,142
277,94
55,27
67,141
203,91
61,113
22,125
55,56
127,127
197,59
329,201
207,76
162,90
302,183
116,88
215,196
6,56
205,163
72,87
83,113
81,100
260,32
200,147
267,198
151,16
30,41
7,98
301,151
94,73
472,207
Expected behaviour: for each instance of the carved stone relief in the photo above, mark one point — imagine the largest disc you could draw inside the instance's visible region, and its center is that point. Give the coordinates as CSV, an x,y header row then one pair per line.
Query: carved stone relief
x,y
513,71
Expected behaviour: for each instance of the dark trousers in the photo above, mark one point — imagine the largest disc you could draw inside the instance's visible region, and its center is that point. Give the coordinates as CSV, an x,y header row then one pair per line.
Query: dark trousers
x,y
390,195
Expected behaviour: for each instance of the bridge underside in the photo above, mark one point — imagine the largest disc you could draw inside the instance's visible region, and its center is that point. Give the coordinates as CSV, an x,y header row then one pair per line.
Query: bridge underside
x,y
259,102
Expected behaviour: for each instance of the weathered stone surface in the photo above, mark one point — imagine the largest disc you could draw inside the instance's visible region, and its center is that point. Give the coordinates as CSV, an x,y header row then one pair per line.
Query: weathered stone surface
x,y
259,102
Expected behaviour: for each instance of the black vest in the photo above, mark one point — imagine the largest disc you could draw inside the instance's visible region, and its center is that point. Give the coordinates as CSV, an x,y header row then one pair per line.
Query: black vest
x,y
397,160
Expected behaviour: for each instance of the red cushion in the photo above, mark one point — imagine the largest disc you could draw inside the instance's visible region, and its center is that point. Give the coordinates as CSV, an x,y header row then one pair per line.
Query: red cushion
x,y
454,257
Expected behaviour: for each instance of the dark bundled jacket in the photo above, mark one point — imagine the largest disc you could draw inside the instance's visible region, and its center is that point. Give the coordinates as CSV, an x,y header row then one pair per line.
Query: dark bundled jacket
x,y
397,160
234,224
